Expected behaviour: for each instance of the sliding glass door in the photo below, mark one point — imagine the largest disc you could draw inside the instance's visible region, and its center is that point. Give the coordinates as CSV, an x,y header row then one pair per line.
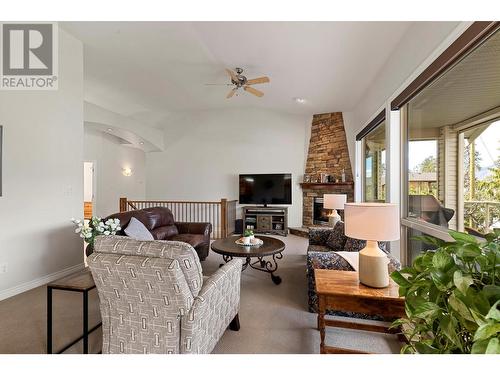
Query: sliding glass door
x,y
451,158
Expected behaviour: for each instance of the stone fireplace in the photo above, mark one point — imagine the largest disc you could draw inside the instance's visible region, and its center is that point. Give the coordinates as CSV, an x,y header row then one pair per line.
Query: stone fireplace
x,y
327,155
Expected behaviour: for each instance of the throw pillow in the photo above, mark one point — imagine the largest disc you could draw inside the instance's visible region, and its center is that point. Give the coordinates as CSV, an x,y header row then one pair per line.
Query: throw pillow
x,y
136,230
336,239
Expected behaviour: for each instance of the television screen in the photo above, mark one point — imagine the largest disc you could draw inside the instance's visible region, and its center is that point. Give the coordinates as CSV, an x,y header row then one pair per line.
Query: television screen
x,y
266,188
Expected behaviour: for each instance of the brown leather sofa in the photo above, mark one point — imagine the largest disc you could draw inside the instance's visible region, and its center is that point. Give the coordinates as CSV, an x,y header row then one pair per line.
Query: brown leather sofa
x,y
160,222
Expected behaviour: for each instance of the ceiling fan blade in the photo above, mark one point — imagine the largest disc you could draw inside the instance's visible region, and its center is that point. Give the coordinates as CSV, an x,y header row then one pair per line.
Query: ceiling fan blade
x,y
258,80
231,93
232,75
251,90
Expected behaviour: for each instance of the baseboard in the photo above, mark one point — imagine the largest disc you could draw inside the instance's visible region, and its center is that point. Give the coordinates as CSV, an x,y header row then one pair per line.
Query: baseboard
x,y
7,293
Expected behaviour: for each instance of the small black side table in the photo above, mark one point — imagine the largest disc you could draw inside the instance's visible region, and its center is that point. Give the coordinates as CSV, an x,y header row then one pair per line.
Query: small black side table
x,y
82,282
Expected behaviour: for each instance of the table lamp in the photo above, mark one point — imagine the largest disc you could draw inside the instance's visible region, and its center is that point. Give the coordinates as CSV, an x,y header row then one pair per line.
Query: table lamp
x,y
334,202
372,222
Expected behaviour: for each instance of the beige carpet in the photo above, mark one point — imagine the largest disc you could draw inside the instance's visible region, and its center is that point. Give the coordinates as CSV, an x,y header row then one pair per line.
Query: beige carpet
x,y
274,318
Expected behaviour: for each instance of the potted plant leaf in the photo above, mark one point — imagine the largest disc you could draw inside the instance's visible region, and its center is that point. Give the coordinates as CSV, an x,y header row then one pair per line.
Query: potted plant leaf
x,y
452,296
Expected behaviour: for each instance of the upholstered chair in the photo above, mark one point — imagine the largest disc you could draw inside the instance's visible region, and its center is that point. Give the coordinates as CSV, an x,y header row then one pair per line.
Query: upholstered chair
x,y
154,299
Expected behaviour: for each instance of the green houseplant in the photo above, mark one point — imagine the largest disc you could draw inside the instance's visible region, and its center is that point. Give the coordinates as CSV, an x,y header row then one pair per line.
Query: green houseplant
x,y
247,236
248,233
452,296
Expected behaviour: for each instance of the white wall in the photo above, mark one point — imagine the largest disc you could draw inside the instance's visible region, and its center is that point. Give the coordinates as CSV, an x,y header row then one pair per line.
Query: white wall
x,y
205,151
42,177
88,181
110,157
418,43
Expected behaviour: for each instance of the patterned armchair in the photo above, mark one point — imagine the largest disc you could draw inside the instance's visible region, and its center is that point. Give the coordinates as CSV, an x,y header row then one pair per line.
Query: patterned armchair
x,y
154,299
321,254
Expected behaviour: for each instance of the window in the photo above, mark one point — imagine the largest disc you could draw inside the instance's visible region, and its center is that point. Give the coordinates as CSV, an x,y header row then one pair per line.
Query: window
x,y
374,164
422,167
452,157
481,178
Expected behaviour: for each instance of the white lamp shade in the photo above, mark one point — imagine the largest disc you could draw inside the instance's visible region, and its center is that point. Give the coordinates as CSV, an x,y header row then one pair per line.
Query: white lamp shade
x,y
334,201
372,221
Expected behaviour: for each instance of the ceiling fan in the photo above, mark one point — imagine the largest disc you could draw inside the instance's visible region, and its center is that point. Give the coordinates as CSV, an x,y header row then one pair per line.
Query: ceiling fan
x,y
240,81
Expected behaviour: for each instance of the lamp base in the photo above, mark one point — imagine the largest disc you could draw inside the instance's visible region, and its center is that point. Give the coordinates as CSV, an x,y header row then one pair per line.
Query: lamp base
x,y
373,263
334,218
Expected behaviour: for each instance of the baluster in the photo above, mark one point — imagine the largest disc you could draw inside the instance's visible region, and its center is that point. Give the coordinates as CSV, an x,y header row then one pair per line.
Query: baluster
x,y
217,221
216,228
210,216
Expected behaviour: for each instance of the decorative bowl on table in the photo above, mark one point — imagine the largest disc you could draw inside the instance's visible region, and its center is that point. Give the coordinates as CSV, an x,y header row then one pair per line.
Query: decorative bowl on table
x,y
253,242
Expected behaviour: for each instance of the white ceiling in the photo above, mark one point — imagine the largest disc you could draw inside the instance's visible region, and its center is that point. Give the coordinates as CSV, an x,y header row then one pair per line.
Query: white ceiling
x,y
147,70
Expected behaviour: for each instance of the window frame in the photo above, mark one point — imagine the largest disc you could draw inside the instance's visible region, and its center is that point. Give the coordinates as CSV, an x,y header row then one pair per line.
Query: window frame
x,y
361,140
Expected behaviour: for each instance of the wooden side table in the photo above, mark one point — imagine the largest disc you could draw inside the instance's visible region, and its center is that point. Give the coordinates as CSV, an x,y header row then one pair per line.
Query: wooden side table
x,y
81,282
342,291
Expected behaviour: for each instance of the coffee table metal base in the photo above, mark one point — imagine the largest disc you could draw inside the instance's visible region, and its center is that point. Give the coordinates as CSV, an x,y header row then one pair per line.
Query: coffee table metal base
x,y
261,264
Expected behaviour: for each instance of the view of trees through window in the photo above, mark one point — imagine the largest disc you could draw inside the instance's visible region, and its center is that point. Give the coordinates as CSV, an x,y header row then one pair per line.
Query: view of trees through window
x,y
423,168
481,165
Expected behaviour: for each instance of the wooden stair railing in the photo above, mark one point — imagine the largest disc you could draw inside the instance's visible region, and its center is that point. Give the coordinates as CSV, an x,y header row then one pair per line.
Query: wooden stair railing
x,y
221,214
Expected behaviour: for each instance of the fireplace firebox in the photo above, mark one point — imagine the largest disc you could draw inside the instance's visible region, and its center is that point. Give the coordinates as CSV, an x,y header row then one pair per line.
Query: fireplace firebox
x,y
320,214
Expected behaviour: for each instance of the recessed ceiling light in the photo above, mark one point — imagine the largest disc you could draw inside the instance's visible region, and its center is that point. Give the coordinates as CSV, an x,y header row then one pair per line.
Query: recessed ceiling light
x,y
299,100
141,143
110,130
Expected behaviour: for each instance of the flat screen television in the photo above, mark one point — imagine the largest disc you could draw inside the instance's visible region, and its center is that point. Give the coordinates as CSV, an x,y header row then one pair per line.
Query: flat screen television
x,y
266,188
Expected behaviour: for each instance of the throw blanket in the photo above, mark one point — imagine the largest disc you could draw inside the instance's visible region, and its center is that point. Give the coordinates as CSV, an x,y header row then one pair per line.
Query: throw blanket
x,y
352,257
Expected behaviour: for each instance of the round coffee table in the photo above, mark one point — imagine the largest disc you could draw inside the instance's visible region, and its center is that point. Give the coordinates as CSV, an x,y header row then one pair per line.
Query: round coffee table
x,y
271,247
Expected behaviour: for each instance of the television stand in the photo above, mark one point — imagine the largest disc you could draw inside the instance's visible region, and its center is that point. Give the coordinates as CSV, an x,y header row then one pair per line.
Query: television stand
x,y
266,220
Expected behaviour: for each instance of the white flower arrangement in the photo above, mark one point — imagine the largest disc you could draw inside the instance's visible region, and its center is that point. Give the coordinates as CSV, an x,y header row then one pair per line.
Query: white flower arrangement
x,y
89,230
